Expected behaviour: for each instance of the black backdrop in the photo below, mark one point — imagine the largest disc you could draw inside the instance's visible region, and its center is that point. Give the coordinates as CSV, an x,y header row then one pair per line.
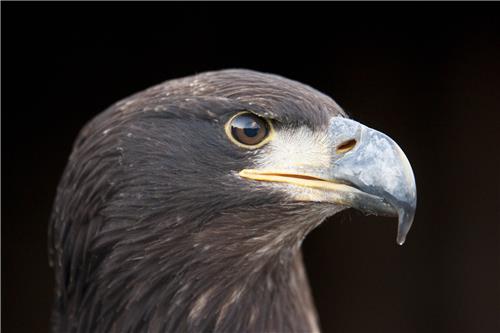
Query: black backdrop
x,y
427,75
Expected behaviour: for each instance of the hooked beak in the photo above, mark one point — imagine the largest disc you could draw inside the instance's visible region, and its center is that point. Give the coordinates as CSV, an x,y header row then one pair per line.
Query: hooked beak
x,y
367,171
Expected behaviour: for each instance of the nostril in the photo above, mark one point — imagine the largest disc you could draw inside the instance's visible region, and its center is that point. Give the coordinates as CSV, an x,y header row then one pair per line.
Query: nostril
x,y
344,147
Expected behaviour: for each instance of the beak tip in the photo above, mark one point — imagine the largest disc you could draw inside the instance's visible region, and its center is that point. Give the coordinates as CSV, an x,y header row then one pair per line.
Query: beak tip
x,y
405,221
400,240
401,237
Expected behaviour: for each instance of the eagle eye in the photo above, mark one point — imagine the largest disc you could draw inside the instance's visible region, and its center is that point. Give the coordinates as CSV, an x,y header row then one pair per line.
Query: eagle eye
x,y
249,130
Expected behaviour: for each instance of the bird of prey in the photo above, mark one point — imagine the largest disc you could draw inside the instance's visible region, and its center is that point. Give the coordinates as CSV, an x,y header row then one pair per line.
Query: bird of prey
x,y
183,207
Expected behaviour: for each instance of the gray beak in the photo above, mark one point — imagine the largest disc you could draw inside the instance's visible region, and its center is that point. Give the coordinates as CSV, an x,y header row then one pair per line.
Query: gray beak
x,y
373,163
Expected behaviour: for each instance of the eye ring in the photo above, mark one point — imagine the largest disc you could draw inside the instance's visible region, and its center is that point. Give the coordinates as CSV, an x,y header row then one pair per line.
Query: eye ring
x,y
248,130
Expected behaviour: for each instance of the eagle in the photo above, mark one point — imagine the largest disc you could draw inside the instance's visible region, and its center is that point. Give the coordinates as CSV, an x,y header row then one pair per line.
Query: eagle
x,y
183,207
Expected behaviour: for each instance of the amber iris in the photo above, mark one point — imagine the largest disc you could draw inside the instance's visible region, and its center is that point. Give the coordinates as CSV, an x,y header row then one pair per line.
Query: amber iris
x,y
249,129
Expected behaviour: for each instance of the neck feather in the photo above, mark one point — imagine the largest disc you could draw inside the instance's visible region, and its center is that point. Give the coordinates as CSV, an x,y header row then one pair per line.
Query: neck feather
x,y
225,277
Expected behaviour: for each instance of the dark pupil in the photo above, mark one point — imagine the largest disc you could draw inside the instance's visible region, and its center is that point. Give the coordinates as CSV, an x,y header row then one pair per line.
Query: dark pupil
x,y
251,131
248,129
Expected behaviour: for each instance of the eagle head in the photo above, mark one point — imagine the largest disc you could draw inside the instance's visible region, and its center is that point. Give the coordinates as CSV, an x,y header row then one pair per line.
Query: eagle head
x,y
183,207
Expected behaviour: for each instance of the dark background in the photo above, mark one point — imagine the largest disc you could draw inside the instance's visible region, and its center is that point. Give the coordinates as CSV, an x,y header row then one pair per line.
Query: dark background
x,y
427,75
